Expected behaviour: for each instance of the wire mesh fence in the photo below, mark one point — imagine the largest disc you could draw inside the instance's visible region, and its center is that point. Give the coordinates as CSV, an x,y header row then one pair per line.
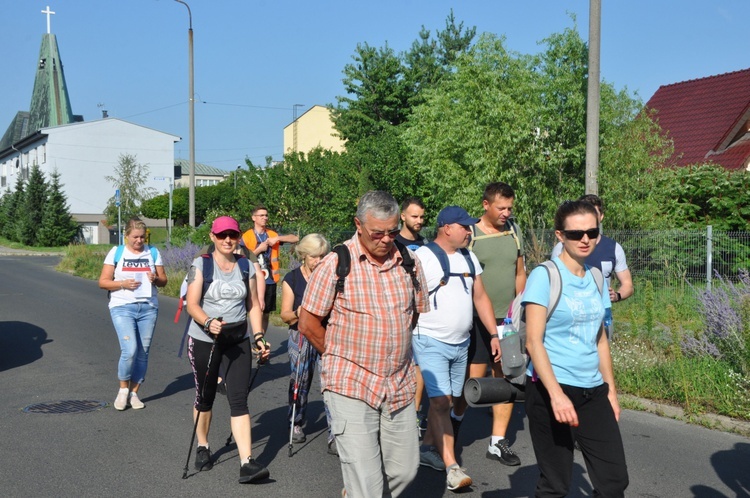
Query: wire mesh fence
x,y
667,258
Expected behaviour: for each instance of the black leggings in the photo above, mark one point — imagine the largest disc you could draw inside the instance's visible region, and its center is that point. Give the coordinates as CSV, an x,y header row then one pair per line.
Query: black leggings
x,y
238,365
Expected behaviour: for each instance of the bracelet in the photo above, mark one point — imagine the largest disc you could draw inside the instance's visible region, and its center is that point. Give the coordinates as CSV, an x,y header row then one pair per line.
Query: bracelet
x,y
259,338
619,297
207,323
494,336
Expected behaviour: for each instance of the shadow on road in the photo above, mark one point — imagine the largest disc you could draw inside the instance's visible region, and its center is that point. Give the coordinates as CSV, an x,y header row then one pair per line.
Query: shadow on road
x,y
181,383
725,465
20,344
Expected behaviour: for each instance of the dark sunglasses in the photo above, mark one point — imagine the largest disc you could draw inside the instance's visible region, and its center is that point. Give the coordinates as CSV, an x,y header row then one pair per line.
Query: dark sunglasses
x,y
379,235
592,233
227,233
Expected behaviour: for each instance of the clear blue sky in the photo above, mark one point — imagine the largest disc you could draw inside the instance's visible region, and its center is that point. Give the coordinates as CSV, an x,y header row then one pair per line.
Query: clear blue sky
x,y
255,59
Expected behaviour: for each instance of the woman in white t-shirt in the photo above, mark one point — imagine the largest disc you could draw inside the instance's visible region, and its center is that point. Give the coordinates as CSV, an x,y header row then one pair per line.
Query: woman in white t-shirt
x,y
570,391
131,273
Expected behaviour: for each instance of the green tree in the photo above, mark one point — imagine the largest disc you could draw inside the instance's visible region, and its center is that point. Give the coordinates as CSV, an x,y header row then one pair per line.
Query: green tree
x,y
58,226
130,178
32,208
12,207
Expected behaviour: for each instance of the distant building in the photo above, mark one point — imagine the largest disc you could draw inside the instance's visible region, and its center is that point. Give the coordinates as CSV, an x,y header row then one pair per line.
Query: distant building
x,y
312,129
708,119
84,153
204,175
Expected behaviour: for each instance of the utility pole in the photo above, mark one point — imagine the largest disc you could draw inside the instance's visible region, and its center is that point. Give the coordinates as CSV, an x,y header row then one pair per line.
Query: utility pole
x,y
191,119
592,99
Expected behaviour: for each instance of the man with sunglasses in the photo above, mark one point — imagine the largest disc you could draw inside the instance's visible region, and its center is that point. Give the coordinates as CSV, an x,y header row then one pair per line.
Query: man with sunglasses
x,y
367,372
498,245
265,243
609,257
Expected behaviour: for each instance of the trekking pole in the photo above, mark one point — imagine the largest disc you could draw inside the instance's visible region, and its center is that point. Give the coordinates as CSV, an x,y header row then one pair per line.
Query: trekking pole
x,y
198,414
294,396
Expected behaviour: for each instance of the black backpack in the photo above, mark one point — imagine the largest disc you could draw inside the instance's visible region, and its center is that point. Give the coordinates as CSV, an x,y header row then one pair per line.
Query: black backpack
x,y
446,267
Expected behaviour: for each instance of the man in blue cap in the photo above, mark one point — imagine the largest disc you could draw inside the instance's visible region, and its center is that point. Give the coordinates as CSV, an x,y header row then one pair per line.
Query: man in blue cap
x,y
441,338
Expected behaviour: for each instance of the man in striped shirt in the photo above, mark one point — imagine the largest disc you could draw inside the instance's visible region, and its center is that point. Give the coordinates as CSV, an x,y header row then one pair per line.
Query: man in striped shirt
x,y
367,370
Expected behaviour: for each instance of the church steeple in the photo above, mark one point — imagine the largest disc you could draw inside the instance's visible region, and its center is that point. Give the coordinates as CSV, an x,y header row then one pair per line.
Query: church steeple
x,y
50,103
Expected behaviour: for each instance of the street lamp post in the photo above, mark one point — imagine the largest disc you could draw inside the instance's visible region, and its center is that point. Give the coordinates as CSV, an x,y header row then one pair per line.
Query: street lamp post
x,y
191,118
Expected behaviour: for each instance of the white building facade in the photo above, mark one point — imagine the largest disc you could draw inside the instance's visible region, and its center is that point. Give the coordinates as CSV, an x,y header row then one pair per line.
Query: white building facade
x,y
85,154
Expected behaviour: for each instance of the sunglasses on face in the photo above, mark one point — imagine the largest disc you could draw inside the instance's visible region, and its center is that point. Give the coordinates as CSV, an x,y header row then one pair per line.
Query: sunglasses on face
x,y
592,233
379,235
227,233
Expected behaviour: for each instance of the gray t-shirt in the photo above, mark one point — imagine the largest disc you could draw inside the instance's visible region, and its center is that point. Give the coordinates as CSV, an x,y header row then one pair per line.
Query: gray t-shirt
x,y
226,297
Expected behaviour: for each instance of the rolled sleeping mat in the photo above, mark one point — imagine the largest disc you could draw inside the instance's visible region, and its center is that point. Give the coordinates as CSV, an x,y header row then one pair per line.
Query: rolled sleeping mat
x,y
488,391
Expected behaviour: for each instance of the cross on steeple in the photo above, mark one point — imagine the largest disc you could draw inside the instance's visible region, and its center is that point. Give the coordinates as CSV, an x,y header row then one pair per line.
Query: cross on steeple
x,y
48,12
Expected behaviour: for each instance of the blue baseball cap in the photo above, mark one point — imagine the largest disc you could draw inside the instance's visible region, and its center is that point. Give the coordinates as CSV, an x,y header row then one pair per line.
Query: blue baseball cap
x,y
455,214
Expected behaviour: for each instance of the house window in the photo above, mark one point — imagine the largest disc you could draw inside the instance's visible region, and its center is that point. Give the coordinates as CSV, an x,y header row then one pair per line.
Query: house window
x,y
44,153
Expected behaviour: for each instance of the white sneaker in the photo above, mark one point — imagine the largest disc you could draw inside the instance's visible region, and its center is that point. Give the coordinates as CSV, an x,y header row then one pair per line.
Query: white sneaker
x,y
121,401
457,479
135,402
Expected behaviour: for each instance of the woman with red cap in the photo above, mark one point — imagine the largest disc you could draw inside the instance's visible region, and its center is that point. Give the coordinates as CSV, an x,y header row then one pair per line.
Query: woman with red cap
x,y
219,330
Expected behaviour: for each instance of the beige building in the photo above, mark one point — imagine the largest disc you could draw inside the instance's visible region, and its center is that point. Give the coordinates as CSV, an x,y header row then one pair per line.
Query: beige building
x,y
312,129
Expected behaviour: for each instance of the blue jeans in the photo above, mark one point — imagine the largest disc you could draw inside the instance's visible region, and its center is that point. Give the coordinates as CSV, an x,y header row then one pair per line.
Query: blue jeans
x,y
378,450
134,324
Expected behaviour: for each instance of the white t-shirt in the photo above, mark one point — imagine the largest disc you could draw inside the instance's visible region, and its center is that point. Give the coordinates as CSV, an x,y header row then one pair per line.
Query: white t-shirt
x,y
451,307
134,266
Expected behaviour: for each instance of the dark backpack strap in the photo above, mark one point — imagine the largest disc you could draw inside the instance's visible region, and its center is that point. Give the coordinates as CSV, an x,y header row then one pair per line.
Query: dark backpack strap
x,y
442,258
208,272
343,266
469,261
407,262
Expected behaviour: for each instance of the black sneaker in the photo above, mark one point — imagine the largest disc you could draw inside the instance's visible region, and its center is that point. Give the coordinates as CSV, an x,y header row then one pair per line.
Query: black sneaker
x,y
252,471
501,452
203,459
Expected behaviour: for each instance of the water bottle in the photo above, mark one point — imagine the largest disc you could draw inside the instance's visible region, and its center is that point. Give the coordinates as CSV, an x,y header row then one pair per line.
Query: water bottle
x,y
512,357
609,326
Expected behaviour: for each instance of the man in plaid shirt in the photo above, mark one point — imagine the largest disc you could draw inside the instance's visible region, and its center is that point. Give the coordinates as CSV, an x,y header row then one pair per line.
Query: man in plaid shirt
x,y
367,369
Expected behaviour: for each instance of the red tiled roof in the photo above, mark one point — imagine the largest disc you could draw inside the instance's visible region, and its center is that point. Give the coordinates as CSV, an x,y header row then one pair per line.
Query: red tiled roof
x,y
701,115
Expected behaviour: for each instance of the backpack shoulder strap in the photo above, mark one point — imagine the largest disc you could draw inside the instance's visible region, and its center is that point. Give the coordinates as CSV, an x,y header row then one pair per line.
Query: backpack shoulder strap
x,y
555,286
442,258
154,253
598,278
343,266
208,272
407,262
118,254
469,261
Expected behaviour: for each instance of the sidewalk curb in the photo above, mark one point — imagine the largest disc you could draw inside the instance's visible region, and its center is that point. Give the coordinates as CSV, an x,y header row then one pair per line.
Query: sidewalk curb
x,y
709,420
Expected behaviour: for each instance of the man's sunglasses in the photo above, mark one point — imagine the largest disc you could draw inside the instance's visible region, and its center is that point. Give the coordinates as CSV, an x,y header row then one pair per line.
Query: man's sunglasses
x,y
227,233
592,233
379,235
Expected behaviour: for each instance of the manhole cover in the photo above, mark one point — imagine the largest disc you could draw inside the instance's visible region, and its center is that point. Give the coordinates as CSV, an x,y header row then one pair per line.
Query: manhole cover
x,y
67,406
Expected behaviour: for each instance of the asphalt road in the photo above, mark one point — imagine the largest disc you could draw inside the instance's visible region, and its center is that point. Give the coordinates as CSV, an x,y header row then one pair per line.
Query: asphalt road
x,y
57,343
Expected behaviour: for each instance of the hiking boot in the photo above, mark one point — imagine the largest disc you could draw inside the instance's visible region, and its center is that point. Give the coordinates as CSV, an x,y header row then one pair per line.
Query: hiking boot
x,y
252,471
430,458
298,436
135,402
121,401
501,452
457,479
332,449
203,459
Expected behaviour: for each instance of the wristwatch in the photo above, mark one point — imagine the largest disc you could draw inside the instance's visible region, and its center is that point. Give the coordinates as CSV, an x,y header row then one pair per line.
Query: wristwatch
x,y
619,297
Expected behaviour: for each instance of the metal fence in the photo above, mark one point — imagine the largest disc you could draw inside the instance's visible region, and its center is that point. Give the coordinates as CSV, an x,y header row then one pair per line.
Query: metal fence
x,y
667,258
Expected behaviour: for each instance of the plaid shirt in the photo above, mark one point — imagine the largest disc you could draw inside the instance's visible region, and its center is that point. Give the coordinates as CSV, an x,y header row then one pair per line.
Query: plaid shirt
x,y
368,339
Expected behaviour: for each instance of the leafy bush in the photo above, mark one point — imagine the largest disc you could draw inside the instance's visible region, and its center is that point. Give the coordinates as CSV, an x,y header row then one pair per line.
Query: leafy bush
x,y
726,309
